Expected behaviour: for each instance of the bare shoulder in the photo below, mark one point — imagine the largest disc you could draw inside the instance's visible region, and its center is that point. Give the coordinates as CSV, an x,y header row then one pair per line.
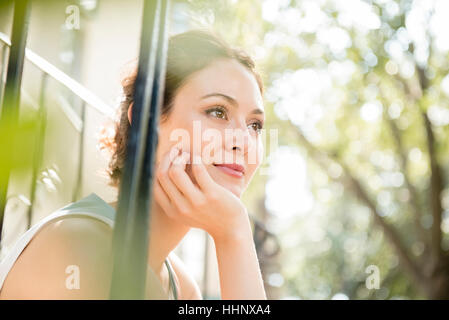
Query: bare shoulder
x,y
70,258
189,287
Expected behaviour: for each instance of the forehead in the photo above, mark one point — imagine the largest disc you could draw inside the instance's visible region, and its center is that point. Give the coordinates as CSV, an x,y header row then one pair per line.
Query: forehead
x,y
228,77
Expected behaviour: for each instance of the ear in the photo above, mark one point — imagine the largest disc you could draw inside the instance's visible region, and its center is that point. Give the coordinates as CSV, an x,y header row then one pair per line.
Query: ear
x,y
130,112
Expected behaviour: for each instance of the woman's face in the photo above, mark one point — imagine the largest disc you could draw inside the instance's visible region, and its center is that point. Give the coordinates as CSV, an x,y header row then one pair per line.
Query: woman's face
x,y
218,113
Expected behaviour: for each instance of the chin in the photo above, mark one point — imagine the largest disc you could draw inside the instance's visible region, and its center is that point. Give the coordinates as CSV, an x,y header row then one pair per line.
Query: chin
x,y
235,187
237,191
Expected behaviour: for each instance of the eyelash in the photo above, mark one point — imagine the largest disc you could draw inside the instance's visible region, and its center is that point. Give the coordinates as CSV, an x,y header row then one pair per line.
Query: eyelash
x,y
218,108
225,111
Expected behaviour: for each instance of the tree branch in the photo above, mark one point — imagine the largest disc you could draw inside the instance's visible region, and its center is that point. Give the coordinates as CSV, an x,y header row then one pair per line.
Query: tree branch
x,y
414,200
436,177
322,158
436,188
416,91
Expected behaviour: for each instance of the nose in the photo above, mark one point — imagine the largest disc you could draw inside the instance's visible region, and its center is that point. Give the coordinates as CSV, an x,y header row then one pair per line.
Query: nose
x,y
238,139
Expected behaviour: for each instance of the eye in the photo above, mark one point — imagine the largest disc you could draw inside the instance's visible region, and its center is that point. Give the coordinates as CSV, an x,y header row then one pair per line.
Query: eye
x,y
256,126
218,112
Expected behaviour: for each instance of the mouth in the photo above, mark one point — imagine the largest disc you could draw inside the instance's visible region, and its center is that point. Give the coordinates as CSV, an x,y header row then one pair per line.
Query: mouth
x,y
232,169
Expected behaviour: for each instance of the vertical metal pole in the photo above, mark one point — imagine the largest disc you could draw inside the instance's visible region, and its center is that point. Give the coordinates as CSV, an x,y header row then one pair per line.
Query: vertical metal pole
x,y
11,100
131,232
2,73
79,176
39,149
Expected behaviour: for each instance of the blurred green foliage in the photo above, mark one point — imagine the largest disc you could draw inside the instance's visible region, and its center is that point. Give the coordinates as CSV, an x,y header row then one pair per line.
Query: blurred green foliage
x,y
18,140
358,92
359,89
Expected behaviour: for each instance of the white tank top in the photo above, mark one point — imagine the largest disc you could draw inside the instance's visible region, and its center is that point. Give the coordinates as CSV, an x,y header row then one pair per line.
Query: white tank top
x,y
90,206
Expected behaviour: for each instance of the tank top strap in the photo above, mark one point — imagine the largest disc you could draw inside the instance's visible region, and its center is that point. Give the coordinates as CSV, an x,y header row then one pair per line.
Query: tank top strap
x,y
172,282
91,206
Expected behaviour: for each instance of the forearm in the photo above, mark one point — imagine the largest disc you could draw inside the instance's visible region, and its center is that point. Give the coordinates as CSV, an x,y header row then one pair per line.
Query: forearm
x,y
240,276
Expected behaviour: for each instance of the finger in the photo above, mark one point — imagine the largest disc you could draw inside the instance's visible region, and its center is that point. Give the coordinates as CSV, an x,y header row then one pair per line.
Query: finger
x,y
175,195
181,160
174,151
162,199
201,175
182,180
168,157
164,165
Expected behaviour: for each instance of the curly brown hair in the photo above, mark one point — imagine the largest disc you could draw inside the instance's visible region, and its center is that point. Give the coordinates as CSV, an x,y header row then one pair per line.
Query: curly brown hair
x,y
187,53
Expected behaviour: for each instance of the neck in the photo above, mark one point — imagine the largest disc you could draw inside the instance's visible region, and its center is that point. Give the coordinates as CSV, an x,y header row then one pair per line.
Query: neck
x,y
164,235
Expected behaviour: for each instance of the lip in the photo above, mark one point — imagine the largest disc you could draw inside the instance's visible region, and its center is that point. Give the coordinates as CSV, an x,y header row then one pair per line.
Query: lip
x,y
232,169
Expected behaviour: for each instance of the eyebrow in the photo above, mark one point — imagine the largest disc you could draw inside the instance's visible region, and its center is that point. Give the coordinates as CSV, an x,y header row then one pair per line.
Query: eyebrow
x,y
231,100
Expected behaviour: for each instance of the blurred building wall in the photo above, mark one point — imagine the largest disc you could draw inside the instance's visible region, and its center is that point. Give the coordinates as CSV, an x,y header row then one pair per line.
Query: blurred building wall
x,y
94,54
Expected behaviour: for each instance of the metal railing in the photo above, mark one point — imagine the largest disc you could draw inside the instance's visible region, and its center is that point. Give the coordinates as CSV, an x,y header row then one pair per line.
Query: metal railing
x,y
130,240
74,86
86,97
131,230
11,95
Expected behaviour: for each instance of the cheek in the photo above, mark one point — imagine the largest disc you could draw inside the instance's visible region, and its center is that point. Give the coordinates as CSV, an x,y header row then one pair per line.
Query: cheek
x,y
212,148
255,157
260,152
170,133
254,161
163,144
251,169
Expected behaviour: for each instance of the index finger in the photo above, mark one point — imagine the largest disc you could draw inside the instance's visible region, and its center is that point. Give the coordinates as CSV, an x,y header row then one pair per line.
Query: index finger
x,y
205,181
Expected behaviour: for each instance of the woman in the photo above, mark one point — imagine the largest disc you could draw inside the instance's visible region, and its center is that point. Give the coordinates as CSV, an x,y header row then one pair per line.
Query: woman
x,y
209,87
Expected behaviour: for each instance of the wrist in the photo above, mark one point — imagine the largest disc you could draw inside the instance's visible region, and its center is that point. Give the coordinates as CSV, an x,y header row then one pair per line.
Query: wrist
x,y
235,235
